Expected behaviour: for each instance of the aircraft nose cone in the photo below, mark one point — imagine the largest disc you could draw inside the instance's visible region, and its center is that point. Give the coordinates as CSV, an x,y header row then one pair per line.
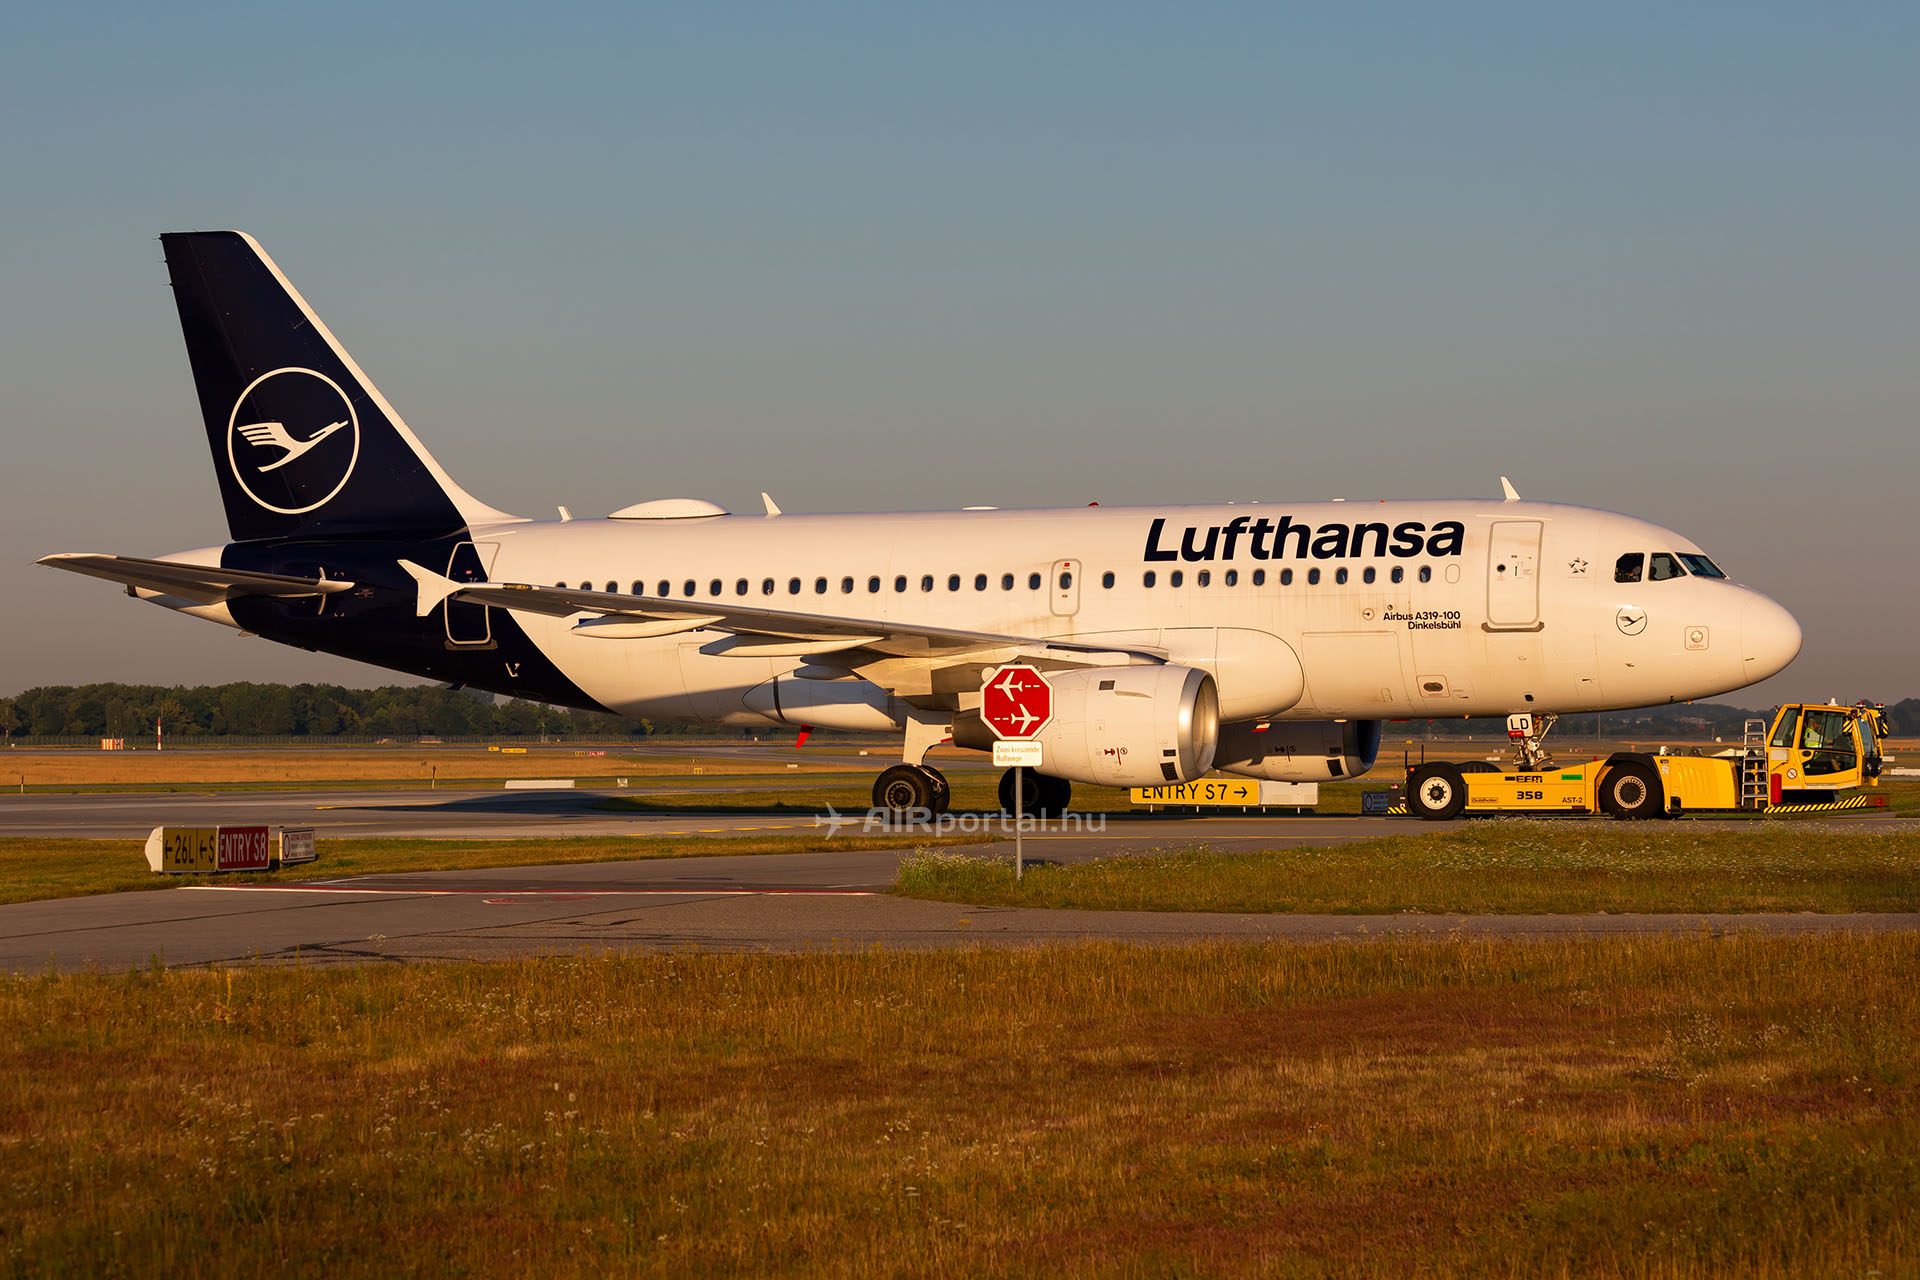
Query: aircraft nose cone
x,y
1769,638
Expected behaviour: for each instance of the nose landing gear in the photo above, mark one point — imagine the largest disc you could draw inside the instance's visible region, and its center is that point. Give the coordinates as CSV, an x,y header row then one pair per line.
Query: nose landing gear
x,y
1526,733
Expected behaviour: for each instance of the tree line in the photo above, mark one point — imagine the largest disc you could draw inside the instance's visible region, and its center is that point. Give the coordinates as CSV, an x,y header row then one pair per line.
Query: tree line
x,y
412,711
132,711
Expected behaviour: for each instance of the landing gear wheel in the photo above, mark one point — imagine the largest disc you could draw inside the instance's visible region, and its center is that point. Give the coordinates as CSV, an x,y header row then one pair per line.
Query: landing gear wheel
x,y
1631,791
1436,791
942,791
1029,790
905,788
1054,795
1041,796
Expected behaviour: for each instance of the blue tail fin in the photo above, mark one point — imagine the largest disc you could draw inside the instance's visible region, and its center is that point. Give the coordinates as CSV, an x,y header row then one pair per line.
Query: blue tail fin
x,y
304,445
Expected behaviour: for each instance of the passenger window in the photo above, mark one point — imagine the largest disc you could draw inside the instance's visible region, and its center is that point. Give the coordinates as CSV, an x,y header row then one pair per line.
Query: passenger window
x,y
1259,577
873,584
666,588
819,586
740,587
1231,578
1175,578
613,588
953,582
1286,577
1426,573
979,582
926,582
1366,574
713,588
766,587
1202,578
1146,579
1006,582
1313,577
846,586
1627,567
1033,582
1106,579
1399,574
899,582
690,587
1664,566
1066,582
1340,575
639,588
793,586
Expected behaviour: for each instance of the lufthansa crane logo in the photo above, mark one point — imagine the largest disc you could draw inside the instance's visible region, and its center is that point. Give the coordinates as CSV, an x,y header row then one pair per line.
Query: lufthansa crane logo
x,y
292,440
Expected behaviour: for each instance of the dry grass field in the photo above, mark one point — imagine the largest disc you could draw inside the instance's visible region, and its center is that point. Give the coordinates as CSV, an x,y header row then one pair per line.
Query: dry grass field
x,y
1619,1108
37,868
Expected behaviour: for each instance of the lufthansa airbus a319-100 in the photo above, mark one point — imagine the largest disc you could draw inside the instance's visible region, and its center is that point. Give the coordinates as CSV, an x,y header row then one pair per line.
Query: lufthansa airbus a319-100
x,y
1266,640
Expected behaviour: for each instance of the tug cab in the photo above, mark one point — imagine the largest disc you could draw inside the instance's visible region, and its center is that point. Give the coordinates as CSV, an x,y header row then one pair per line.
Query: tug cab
x,y
1800,763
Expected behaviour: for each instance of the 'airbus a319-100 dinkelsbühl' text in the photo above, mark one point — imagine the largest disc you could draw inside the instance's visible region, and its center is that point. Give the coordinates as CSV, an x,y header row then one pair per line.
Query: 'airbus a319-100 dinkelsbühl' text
x,y
1265,540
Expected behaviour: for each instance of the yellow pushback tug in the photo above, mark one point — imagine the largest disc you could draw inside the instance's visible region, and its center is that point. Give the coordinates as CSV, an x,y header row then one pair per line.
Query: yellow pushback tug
x,y
1801,764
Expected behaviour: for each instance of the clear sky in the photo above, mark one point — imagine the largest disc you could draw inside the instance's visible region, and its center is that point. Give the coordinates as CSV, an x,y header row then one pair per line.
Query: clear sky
x,y
1656,258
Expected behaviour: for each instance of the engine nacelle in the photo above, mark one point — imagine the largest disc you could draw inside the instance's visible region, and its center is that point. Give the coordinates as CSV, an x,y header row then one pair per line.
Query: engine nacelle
x,y
1299,750
1137,726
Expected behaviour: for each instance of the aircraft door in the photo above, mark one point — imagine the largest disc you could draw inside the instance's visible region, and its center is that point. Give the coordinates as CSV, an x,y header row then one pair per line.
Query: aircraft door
x,y
1065,586
469,626
1513,576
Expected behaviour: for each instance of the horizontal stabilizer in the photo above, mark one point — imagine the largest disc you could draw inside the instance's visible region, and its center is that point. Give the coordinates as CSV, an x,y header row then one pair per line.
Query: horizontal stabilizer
x,y
434,587
207,584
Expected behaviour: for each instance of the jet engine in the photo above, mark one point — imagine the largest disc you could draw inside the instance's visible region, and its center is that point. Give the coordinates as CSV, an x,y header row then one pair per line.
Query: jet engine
x,y
1135,726
1299,750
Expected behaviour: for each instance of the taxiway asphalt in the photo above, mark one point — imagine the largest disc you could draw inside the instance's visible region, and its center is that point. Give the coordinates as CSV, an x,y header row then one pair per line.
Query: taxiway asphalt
x,y
777,902
785,903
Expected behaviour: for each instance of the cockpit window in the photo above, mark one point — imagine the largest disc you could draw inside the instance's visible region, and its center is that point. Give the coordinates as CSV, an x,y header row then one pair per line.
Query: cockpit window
x,y
1627,567
1700,566
1664,566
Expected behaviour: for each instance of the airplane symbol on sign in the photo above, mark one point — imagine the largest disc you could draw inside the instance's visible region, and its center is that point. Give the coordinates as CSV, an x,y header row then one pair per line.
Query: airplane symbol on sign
x,y
1019,718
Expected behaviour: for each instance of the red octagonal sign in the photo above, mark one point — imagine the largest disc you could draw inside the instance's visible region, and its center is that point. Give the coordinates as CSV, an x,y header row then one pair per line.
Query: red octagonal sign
x,y
1017,702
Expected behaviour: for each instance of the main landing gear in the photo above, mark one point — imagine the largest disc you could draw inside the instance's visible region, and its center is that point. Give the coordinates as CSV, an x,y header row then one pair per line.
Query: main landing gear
x,y
905,788
1040,796
922,790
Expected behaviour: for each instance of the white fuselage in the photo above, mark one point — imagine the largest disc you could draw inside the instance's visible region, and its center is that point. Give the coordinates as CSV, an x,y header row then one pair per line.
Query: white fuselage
x,y
1520,612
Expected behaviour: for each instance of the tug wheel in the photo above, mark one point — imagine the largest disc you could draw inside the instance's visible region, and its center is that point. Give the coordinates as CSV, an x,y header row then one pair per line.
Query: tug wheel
x,y
1631,791
1436,791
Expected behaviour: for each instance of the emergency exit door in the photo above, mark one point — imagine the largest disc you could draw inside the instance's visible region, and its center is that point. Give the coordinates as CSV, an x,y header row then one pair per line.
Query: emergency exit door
x,y
1513,576
470,626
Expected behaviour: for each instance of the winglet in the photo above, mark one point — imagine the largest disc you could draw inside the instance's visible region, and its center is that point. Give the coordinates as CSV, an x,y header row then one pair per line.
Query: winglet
x,y
1506,486
773,508
434,587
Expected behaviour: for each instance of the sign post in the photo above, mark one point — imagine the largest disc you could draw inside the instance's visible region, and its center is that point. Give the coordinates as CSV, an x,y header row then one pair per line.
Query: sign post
x,y
1016,702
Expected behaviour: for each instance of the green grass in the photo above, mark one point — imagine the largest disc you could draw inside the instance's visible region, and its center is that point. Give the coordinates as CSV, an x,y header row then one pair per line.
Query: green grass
x,y
1503,866
1643,1107
32,869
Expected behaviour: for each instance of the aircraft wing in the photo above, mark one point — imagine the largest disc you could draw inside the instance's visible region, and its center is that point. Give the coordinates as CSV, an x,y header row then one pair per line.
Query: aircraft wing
x,y
757,631
207,584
